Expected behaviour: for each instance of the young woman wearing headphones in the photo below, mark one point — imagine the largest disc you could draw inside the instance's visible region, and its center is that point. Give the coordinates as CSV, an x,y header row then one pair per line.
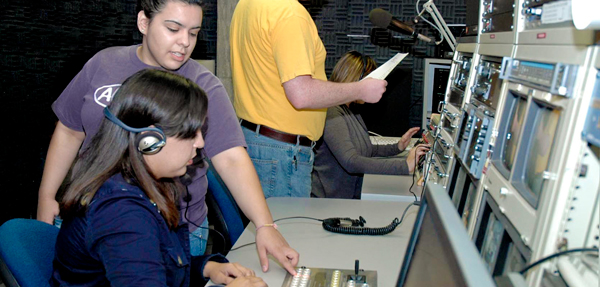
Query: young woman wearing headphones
x,y
121,224
345,153
169,29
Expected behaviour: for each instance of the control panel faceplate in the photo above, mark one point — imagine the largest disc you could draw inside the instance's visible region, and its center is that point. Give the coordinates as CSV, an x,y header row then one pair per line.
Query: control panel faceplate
x,y
326,277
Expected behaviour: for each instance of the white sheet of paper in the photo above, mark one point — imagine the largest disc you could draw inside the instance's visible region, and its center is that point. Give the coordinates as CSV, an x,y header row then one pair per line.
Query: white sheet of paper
x,y
387,67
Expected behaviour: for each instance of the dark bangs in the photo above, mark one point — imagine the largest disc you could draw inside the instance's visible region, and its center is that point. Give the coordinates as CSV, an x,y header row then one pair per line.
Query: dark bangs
x,y
187,119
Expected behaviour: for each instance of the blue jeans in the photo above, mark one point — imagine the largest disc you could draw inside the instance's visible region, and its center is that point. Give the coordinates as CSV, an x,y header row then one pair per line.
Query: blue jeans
x,y
58,221
284,169
198,238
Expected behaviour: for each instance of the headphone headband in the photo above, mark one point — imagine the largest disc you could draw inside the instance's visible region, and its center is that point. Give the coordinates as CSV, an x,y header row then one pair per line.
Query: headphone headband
x,y
364,68
118,122
150,142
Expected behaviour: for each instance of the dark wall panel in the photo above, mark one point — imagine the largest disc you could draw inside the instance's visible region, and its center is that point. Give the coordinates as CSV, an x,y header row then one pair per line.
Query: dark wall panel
x,y
43,44
336,19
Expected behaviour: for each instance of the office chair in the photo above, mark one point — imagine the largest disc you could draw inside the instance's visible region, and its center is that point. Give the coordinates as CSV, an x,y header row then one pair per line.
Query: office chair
x,y
223,213
26,252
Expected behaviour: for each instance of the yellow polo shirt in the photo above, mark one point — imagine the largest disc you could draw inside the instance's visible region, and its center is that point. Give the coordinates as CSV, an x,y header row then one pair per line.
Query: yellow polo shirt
x,y
272,42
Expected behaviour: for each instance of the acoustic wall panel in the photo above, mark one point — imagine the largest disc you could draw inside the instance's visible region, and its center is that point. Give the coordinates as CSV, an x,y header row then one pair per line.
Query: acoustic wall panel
x,y
336,19
43,46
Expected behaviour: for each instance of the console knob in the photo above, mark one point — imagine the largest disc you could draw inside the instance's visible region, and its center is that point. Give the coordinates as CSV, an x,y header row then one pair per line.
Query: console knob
x,y
485,72
481,90
504,191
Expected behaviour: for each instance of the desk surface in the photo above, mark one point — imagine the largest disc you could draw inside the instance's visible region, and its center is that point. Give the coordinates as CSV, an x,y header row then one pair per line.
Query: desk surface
x,y
323,249
391,187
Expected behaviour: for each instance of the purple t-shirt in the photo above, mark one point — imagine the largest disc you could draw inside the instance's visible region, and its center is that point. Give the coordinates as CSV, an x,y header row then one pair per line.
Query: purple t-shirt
x,y
80,105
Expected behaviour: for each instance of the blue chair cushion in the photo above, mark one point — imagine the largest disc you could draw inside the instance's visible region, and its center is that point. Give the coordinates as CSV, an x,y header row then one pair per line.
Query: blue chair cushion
x,y
27,249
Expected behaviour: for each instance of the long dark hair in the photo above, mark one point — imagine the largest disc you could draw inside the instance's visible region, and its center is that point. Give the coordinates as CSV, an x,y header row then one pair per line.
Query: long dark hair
x,y
150,97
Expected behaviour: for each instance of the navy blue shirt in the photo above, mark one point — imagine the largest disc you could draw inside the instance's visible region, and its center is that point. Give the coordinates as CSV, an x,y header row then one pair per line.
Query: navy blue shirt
x,y
124,241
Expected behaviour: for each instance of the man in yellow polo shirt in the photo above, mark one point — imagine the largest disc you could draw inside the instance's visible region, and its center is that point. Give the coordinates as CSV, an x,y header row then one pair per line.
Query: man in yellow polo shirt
x,y
281,93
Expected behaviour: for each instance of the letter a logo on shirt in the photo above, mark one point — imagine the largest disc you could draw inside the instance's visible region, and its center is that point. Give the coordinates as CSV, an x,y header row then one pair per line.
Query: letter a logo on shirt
x,y
104,94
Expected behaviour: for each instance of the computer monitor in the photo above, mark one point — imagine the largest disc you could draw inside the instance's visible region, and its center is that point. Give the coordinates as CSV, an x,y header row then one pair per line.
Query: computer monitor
x,y
440,252
435,80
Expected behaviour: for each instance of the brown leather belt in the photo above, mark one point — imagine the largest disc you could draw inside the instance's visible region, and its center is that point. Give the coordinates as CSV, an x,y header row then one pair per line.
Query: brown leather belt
x,y
277,135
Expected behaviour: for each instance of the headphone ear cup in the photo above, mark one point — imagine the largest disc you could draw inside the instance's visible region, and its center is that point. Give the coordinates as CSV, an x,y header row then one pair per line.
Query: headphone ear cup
x,y
150,142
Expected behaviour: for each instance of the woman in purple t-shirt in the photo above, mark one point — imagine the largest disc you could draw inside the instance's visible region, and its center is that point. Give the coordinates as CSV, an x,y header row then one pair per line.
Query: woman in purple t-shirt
x,y
169,29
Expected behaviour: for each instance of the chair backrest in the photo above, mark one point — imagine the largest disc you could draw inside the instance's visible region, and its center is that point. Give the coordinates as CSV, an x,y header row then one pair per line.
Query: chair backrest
x,y
223,212
26,252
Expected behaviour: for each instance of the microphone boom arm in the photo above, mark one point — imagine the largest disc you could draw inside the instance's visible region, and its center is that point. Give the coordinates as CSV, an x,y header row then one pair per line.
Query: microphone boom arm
x,y
430,7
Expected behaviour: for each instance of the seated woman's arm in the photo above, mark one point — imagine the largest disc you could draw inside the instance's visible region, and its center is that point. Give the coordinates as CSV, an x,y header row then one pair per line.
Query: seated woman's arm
x,y
384,150
395,149
338,138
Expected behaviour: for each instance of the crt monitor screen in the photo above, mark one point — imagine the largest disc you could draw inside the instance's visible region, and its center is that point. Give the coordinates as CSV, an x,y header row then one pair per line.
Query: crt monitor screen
x,y
509,132
541,138
513,133
440,252
470,203
491,243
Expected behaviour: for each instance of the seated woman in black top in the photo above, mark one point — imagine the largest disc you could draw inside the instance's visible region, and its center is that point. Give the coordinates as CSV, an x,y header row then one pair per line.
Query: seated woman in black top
x,y
121,223
345,153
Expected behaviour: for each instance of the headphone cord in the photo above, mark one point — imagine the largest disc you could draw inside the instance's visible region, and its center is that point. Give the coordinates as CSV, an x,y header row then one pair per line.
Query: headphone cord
x,y
187,200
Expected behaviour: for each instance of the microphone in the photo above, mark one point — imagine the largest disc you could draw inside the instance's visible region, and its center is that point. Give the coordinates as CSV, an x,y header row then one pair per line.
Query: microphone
x,y
383,19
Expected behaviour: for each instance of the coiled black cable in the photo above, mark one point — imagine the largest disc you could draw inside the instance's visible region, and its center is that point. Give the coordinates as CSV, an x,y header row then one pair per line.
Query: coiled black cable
x,y
335,225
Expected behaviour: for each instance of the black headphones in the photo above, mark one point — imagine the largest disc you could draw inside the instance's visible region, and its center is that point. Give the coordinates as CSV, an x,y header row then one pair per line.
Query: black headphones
x,y
364,69
148,141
